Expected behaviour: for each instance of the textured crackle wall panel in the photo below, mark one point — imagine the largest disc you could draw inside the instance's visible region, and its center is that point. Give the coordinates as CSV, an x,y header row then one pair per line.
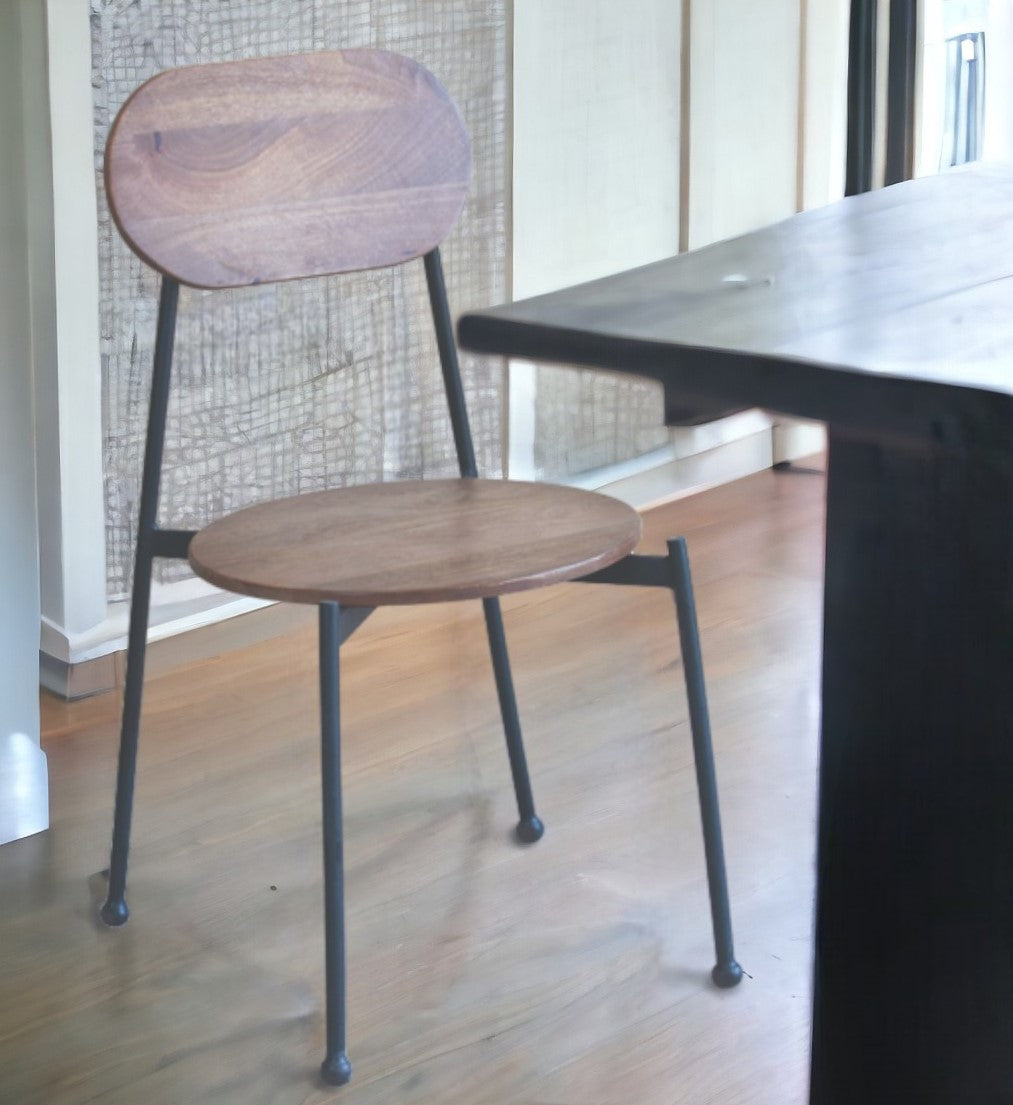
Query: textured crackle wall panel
x,y
586,420
296,387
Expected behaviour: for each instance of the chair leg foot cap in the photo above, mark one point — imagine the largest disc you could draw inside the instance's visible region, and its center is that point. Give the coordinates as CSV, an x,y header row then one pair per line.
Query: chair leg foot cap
x,y
529,829
114,913
727,975
336,1069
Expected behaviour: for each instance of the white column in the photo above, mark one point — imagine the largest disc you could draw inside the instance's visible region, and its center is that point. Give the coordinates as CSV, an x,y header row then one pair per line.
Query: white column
x,y
63,245
24,807
825,101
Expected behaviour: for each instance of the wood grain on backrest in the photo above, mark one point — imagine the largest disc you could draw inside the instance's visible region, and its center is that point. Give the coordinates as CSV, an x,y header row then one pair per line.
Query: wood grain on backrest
x,y
276,168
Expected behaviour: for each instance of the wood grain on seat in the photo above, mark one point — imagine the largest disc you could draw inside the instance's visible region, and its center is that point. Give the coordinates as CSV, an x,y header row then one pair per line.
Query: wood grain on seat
x,y
415,541
277,168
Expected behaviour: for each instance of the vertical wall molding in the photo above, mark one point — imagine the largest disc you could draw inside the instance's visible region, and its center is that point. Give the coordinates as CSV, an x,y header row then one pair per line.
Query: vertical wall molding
x,y
685,120
800,116
861,95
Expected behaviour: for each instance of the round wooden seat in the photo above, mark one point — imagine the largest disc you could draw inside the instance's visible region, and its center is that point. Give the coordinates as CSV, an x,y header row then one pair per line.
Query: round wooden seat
x,y
414,542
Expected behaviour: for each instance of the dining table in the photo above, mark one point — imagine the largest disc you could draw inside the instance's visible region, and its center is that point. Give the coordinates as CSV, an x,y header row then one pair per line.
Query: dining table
x,y
889,317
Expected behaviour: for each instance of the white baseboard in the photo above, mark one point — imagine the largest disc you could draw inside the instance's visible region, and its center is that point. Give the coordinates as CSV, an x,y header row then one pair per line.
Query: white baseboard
x,y
175,608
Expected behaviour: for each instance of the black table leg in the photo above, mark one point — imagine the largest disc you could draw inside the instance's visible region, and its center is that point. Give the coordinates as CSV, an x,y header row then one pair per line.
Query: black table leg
x,y
913,993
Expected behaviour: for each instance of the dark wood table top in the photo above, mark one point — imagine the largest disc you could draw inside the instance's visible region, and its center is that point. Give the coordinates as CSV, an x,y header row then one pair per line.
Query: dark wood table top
x,y
889,313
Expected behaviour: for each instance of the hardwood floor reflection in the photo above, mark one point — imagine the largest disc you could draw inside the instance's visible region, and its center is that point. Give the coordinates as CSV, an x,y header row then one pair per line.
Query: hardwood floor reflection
x,y
575,970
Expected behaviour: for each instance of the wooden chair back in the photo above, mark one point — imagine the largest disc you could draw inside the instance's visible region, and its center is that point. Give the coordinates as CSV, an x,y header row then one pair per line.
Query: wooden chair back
x,y
248,172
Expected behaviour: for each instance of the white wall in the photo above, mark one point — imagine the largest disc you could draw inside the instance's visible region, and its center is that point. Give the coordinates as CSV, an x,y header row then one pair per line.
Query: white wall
x,y
595,156
743,116
596,138
766,112
612,101
23,795
765,119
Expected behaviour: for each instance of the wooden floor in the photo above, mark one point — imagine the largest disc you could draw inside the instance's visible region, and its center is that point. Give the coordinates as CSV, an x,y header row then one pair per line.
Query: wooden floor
x,y
573,971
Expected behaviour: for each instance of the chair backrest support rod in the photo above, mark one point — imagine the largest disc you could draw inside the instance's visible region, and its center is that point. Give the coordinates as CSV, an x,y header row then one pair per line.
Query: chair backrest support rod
x,y
164,338
449,363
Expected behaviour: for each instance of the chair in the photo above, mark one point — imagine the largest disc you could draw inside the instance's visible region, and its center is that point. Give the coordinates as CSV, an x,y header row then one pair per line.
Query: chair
x,y
281,168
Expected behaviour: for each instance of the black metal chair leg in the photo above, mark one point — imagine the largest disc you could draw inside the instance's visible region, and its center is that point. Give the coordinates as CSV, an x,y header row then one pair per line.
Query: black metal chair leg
x,y
335,1069
727,971
115,911
529,827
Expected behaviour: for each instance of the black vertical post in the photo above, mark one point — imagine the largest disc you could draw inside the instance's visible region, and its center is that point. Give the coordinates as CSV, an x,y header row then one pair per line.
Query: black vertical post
x,y
913,957
900,90
726,972
335,1069
448,362
115,911
861,96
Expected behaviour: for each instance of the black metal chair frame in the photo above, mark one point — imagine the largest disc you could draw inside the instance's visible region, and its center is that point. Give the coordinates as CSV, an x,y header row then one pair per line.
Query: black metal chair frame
x,y
336,624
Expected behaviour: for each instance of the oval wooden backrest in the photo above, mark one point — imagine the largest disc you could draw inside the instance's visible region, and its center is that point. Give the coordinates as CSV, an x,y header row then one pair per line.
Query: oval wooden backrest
x,y
247,172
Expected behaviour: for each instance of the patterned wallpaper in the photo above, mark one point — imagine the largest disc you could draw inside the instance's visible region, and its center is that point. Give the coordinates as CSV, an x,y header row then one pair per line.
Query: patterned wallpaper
x,y
586,420
296,387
